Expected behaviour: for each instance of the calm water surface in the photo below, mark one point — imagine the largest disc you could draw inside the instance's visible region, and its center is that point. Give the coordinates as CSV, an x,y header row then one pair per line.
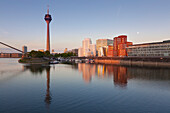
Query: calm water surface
x,y
82,88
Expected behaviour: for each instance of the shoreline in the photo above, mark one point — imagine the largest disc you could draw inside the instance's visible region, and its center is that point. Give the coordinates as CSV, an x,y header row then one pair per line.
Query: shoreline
x,y
163,62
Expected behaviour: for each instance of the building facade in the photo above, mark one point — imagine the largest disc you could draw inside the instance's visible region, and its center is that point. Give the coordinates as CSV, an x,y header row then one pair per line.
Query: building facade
x,y
102,43
10,55
87,49
110,50
65,50
75,51
86,46
80,52
158,49
24,49
119,46
103,51
93,49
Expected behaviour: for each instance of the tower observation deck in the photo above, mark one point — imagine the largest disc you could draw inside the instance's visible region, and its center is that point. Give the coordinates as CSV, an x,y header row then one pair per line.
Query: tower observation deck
x,y
48,19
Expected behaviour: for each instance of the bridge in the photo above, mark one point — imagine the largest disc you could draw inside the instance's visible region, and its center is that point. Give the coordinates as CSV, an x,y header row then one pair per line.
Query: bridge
x,y
11,47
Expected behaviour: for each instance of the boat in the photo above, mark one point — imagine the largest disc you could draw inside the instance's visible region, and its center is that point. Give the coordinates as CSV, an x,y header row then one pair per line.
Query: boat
x,y
54,62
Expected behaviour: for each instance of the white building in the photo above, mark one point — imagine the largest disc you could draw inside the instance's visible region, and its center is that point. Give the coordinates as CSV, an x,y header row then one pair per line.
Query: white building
x,y
102,51
93,49
80,52
87,48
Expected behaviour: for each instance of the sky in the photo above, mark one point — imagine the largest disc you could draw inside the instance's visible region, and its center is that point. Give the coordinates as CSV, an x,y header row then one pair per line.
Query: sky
x,y
22,21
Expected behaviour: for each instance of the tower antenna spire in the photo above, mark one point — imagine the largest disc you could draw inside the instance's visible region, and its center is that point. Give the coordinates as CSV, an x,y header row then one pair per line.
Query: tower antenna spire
x,y
47,9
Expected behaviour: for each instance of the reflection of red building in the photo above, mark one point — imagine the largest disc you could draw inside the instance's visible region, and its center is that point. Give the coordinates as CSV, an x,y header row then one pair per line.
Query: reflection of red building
x,y
110,69
120,76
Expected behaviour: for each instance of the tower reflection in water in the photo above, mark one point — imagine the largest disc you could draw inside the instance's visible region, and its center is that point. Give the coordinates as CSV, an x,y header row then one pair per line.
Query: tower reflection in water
x,y
38,69
48,97
117,73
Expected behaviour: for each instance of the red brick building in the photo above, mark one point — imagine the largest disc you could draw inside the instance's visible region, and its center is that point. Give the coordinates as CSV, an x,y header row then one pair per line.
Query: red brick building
x,y
110,51
119,46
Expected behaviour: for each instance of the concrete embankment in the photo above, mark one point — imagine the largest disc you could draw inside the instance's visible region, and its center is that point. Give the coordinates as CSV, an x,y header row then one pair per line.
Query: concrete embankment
x,y
129,61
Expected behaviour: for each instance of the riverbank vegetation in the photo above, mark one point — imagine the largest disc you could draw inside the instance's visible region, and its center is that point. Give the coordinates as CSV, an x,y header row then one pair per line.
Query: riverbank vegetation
x,y
39,54
38,57
65,55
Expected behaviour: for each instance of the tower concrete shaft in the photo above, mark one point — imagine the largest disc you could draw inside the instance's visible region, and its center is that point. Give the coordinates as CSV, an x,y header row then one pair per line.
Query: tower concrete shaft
x,y
48,20
48,37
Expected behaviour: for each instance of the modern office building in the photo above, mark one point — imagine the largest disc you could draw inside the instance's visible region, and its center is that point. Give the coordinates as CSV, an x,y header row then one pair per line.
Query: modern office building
x,y
119,46
24,49
156,49
110,50
86,46
75,51
101,43
103,51
80,52
65,50
93,49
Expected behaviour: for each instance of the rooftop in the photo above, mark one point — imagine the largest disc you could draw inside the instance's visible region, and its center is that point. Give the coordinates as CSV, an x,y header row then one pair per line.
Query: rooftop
x,y
166,41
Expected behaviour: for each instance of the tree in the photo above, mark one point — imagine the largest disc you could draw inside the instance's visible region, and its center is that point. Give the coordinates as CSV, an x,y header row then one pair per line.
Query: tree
x,y
65,55
39,54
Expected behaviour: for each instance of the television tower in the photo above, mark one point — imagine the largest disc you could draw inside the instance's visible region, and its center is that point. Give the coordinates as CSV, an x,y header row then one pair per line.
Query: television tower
x,y
48,19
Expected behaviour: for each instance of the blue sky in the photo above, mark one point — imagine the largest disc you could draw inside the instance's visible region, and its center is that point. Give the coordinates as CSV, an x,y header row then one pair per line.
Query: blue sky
x,y
22,21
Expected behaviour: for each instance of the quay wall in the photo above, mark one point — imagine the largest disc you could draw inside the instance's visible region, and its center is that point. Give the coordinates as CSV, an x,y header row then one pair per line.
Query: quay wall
x,y
158,62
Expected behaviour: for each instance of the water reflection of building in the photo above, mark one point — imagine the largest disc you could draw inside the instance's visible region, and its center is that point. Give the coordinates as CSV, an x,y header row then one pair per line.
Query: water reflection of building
x,y
88,70
118,74
39,69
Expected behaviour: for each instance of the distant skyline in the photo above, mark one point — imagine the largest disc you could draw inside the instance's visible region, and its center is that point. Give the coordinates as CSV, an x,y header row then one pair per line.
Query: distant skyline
x,y
22,21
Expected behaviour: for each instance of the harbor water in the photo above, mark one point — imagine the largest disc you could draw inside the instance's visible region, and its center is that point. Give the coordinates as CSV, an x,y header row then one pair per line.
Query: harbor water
x,y
82,88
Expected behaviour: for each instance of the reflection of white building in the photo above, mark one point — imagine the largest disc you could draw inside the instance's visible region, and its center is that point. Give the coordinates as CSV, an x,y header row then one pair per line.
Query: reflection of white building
x,y
88,49
87,70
